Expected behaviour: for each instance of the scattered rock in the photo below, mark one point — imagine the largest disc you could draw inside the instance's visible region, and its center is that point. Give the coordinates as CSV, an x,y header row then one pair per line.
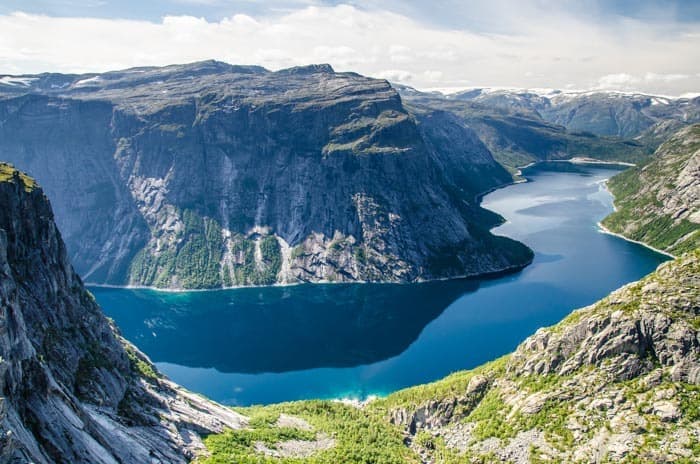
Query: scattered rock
x,y
667,411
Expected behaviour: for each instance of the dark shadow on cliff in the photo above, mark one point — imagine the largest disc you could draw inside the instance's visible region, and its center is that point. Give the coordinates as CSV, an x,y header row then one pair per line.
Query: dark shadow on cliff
x,y
280,329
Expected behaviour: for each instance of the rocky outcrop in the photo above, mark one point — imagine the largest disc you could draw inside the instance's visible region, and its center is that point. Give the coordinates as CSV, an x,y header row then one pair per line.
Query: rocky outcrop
x,y
72,389
618,380
658,203
209,175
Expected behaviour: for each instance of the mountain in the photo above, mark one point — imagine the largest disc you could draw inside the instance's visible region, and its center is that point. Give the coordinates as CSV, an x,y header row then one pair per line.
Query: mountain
x,y
625,115
616,381
514,130
72,389
658,202
621,115
208,175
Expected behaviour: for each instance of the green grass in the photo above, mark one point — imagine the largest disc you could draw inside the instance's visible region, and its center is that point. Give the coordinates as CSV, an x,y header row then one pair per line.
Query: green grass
x,y
490,418
238,446
141,367
194,262
639,192
8,173
451,386
360,436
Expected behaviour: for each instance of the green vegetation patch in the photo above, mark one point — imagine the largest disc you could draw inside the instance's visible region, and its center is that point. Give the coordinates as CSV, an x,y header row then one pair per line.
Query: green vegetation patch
x,y
194,262
359,436
8,173
639,191
490,417
452,386
141,367
247,271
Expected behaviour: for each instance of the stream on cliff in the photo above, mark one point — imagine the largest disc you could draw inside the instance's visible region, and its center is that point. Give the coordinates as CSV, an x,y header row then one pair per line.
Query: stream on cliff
x,y
265,345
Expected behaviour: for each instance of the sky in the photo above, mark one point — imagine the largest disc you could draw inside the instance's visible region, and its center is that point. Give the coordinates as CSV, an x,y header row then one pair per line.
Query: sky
x,y
650,46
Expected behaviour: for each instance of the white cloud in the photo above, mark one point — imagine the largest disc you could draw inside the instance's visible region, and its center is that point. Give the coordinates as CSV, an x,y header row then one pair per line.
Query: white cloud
x,y
651,77
619,80
625,81
343,56
396,75
433,76
547,49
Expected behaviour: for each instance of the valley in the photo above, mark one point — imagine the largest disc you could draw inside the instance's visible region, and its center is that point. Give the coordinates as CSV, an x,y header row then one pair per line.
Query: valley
x,y
305,265
266,345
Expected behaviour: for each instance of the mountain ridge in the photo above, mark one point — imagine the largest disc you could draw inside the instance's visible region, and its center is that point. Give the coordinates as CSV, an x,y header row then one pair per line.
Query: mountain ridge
x,y
517,134
210,175
619,377
73,390
601,112
658,202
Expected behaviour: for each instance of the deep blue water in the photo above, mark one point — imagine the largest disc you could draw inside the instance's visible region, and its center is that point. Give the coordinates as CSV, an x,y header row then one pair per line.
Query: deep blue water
x,y
265,345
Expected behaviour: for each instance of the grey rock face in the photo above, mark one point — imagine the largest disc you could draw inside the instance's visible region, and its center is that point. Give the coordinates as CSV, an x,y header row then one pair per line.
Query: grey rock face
x,y
72,389
210,175
615,380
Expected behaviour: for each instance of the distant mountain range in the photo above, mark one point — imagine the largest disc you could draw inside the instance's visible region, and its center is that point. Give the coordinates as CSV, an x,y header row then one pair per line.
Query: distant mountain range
x,y
170,176
522,126
210,175
617,380
605,113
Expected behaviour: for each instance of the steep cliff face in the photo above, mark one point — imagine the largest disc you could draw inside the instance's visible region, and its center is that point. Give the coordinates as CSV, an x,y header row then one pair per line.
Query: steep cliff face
x,y
210,175
658,202
619,380
72,389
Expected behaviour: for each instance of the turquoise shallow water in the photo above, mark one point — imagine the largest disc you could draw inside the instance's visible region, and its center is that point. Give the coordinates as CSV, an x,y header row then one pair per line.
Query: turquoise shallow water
x,y
265,345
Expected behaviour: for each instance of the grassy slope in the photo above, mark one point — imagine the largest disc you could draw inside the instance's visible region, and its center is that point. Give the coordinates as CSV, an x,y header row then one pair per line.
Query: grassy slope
x,y
641,194
8,174
361,436
493,411
498,413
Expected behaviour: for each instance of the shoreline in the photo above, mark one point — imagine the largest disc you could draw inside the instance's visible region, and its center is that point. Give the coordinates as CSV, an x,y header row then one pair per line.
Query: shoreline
x,y
593,161
575,161
604,230
186,290
486,275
